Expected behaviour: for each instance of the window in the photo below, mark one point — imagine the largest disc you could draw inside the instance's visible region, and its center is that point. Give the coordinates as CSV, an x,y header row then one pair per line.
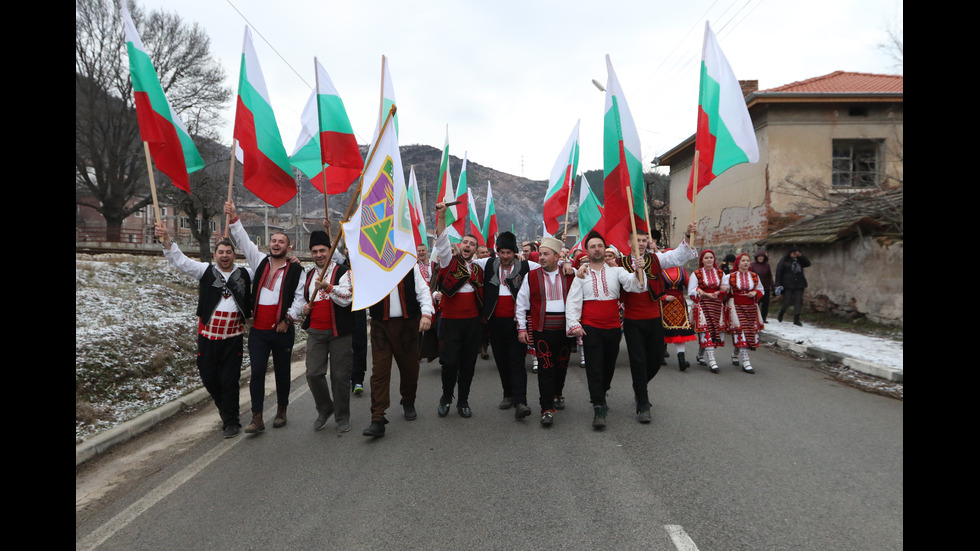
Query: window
x,y
856,163
185,223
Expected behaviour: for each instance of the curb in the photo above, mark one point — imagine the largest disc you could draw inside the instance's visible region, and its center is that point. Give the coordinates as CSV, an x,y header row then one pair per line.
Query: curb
x,y
863,366
104,441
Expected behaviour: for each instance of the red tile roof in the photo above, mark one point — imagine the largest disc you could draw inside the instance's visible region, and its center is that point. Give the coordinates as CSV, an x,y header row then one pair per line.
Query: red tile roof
x,y
843,82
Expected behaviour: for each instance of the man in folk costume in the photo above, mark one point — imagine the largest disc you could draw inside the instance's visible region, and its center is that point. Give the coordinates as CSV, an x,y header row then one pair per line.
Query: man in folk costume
x,y
540,313
592,312
460,283
502,278
642,326
278,302
673,313
396,321
224,303
329,322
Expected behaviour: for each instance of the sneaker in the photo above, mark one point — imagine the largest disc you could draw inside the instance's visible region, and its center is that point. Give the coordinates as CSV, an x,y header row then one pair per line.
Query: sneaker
x,y
522,411
548,417
343,426
231,431
559,402
358,389
599,420
321,420
643,416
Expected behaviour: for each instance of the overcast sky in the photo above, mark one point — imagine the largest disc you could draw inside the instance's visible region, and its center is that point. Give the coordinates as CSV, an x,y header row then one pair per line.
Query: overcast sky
x,y
511,78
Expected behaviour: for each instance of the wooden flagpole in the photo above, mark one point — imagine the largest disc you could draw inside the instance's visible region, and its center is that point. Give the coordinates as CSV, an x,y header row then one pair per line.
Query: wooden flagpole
x,y
231,180
629,201
568,206
153,187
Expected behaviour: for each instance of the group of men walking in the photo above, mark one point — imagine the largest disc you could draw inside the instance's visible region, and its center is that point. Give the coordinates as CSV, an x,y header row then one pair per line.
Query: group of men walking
x,y
544,305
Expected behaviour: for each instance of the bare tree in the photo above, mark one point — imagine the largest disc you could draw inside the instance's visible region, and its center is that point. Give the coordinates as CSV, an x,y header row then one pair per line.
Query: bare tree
x,y
894,42
109,161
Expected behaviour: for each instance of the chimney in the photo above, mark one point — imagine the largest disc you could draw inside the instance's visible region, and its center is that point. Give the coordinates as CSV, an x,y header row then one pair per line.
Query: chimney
x,y
748,86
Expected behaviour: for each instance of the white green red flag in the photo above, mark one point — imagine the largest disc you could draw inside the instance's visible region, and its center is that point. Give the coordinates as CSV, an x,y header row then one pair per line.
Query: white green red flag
x,y
379,234
472,220
490,220
589,213
456,216
171,146
264,161
725,136
445,193
326,148
415,204
622,166
560,184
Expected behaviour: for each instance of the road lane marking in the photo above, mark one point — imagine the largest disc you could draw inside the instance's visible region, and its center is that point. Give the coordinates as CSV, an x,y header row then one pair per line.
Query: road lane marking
x,y
681,540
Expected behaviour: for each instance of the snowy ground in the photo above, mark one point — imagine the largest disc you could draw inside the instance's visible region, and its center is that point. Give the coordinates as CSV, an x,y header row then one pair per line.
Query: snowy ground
x,y
885,352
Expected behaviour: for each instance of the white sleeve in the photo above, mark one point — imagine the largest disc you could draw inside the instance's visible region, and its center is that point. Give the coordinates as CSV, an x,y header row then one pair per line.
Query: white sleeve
x,y
252,253
677,257
341,293
628,281
299,300
422,293
442,250
184,264
573,305
692,286
521,305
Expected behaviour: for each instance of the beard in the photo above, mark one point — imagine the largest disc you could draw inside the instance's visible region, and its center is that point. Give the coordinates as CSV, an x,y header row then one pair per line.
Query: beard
x,y
277,256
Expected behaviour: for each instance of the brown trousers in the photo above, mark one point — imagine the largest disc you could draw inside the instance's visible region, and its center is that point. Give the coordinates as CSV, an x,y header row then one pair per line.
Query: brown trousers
x,y
396,338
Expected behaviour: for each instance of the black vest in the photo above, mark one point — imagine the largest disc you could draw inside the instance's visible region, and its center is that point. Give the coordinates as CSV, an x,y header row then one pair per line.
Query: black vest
x,y
412,309
491,283
343,317
210,290
289,282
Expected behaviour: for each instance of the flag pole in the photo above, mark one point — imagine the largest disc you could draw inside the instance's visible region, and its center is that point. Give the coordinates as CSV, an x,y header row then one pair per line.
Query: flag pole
x,y
153,187
356,198
326,201
694,193
629,201
568,206
231,180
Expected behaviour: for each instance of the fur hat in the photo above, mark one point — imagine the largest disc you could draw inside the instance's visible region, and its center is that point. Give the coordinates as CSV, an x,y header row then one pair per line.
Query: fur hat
x,y
507,240
319,237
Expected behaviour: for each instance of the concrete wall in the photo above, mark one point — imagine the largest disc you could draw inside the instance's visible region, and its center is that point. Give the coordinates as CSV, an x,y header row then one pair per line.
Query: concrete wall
x,y
859,276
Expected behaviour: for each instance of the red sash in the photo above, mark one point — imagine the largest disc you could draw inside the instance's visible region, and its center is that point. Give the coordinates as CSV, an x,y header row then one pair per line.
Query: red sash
x,y
603,314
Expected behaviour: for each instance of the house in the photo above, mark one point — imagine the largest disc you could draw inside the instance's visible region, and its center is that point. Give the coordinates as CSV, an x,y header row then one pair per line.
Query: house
x,y
822,141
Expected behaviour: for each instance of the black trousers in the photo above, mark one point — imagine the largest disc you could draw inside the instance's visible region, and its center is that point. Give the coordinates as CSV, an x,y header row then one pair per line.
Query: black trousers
x,y
262,342
645,346
220,366
509,354
601,347
552,349
359,342
459,343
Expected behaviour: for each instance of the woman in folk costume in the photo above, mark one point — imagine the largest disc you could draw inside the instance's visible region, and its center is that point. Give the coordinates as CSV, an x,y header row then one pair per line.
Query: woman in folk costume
x,y
704,288
673,312
742,317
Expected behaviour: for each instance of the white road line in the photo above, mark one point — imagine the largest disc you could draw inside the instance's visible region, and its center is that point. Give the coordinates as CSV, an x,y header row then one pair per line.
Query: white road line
x,y
681,540
98,536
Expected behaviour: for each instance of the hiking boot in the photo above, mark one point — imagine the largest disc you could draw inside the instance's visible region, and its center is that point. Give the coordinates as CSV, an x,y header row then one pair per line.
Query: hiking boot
x,y
599,420
256,425
280,420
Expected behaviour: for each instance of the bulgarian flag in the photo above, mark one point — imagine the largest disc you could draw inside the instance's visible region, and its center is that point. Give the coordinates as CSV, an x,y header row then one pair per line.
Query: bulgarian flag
x,y
457,219
725,136
589,213
622,166
327,138
560,184
264,160
490,220
415,208
472,220
445,193
171,147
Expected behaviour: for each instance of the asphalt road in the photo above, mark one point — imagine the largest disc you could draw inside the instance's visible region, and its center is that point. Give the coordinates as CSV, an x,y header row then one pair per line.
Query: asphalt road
x,y
784,459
